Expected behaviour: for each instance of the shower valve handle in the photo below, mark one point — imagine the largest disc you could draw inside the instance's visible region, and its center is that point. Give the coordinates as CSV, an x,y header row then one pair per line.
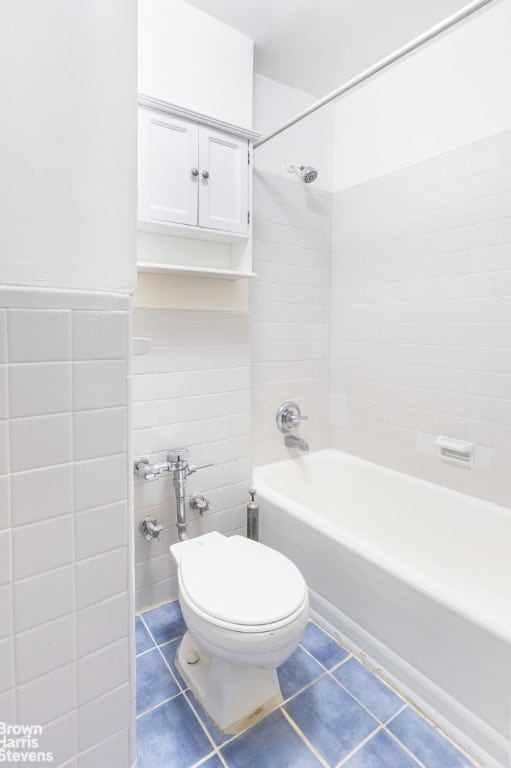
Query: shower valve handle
x,y
192,469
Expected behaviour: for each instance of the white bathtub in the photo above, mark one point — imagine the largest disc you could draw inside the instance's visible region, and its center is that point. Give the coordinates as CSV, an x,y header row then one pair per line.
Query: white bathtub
x,y
415,575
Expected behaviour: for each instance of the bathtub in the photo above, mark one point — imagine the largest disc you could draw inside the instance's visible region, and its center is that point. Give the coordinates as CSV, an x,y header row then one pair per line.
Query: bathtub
x,y
415,576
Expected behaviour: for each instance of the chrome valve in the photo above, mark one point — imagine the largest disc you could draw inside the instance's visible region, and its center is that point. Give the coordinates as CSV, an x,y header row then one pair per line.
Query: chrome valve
x,y
289,416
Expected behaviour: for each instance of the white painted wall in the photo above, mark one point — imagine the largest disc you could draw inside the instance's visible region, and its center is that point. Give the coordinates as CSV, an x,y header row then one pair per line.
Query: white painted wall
x,y
310,141
189,58
451,93
68,138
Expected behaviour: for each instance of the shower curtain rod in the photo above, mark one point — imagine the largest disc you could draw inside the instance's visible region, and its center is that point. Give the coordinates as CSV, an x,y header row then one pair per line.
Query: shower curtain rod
x,y
417,42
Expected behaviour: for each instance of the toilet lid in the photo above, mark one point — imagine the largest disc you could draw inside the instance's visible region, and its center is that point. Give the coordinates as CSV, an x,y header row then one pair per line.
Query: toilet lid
x,y
241,581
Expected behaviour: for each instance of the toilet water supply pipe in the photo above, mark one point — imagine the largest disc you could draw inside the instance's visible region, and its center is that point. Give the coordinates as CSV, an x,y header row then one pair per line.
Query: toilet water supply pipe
x,y
381,65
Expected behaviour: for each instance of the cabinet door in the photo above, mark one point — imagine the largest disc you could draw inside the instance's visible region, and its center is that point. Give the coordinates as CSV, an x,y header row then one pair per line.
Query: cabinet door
x,y
223,181
168,160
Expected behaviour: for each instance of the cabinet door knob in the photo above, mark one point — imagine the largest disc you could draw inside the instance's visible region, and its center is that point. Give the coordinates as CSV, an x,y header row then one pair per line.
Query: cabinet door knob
x,y
195,171
205,174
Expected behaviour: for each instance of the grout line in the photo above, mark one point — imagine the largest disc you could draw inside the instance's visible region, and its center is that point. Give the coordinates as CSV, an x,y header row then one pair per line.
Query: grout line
x,y
365,741
361,703
161,654
204,759
403,747
203,725
305,740
327,669
160,703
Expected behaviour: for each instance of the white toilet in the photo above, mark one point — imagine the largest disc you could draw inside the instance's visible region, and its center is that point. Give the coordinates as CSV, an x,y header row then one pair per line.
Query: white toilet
x,y
245,606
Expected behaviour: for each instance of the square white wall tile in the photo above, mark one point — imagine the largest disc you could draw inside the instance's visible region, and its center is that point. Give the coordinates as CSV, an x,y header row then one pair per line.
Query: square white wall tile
x,y
45,648
101,529
99,335
39,336
103,717
61,738
40,547
48,697
98,482
38,389
99,384
101,577
41,441
102,623
43,598
103,671
40,494
99,433
113,752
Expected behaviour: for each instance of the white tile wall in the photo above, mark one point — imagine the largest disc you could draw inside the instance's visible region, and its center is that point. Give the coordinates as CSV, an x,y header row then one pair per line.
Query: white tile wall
x,y
193,389
64,552
421,317
289,311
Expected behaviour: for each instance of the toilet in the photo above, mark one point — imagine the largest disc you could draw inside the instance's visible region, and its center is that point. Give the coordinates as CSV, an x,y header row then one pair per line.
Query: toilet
x,y
245,606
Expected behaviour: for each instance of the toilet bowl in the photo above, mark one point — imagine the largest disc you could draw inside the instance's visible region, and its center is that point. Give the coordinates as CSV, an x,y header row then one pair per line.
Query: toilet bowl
x,y
245,606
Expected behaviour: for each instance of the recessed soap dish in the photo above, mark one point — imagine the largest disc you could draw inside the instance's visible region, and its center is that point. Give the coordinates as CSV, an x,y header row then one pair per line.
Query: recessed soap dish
x,y
455,451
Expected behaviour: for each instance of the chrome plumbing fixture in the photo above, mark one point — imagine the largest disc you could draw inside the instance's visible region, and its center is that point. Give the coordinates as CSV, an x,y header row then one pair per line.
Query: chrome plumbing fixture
x,y
289,416
199,502
292,441
253,516
150,527
177,464
307,173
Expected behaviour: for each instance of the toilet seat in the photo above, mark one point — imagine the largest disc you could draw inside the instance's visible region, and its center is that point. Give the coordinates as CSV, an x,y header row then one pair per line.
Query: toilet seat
x,y
239,584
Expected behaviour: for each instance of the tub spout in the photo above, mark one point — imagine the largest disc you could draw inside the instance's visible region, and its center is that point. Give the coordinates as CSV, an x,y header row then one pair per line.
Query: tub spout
x,y
296,442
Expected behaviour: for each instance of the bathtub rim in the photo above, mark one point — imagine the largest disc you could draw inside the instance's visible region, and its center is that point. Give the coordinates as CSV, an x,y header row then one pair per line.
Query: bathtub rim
x,y
430,587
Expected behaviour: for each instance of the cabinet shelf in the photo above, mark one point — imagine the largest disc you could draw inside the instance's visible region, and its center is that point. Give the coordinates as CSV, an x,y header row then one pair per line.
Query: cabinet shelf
x,y
179,269
190,231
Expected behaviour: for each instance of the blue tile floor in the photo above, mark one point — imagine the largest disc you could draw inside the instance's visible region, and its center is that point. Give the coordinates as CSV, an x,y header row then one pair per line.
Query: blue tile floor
x,y
335,713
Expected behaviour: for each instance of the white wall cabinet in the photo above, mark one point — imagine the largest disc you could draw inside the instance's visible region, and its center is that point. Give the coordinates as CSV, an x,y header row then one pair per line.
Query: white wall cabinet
x,y
192,174
223,181
194,183
168,159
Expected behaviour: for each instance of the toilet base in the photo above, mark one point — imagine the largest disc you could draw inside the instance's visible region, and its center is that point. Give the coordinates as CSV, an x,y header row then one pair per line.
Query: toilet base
x,y
234,696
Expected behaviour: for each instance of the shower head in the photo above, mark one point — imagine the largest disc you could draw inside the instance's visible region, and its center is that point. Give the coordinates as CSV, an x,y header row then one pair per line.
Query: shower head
x,y
307,173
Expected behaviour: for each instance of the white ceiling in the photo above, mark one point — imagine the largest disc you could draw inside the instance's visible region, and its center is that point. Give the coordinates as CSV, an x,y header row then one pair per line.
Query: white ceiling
x,y
315,45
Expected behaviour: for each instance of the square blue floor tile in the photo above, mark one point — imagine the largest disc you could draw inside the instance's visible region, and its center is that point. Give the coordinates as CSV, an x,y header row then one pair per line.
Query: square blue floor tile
x,y
381,751
297,672
143,637
272,743
331,719
379,699
425,742
154,681
169,650
217,735
165,622
171,737
322,646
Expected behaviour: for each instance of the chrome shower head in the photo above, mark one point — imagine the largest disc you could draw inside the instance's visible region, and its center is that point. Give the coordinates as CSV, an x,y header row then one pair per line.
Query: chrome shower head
x,y
307,173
